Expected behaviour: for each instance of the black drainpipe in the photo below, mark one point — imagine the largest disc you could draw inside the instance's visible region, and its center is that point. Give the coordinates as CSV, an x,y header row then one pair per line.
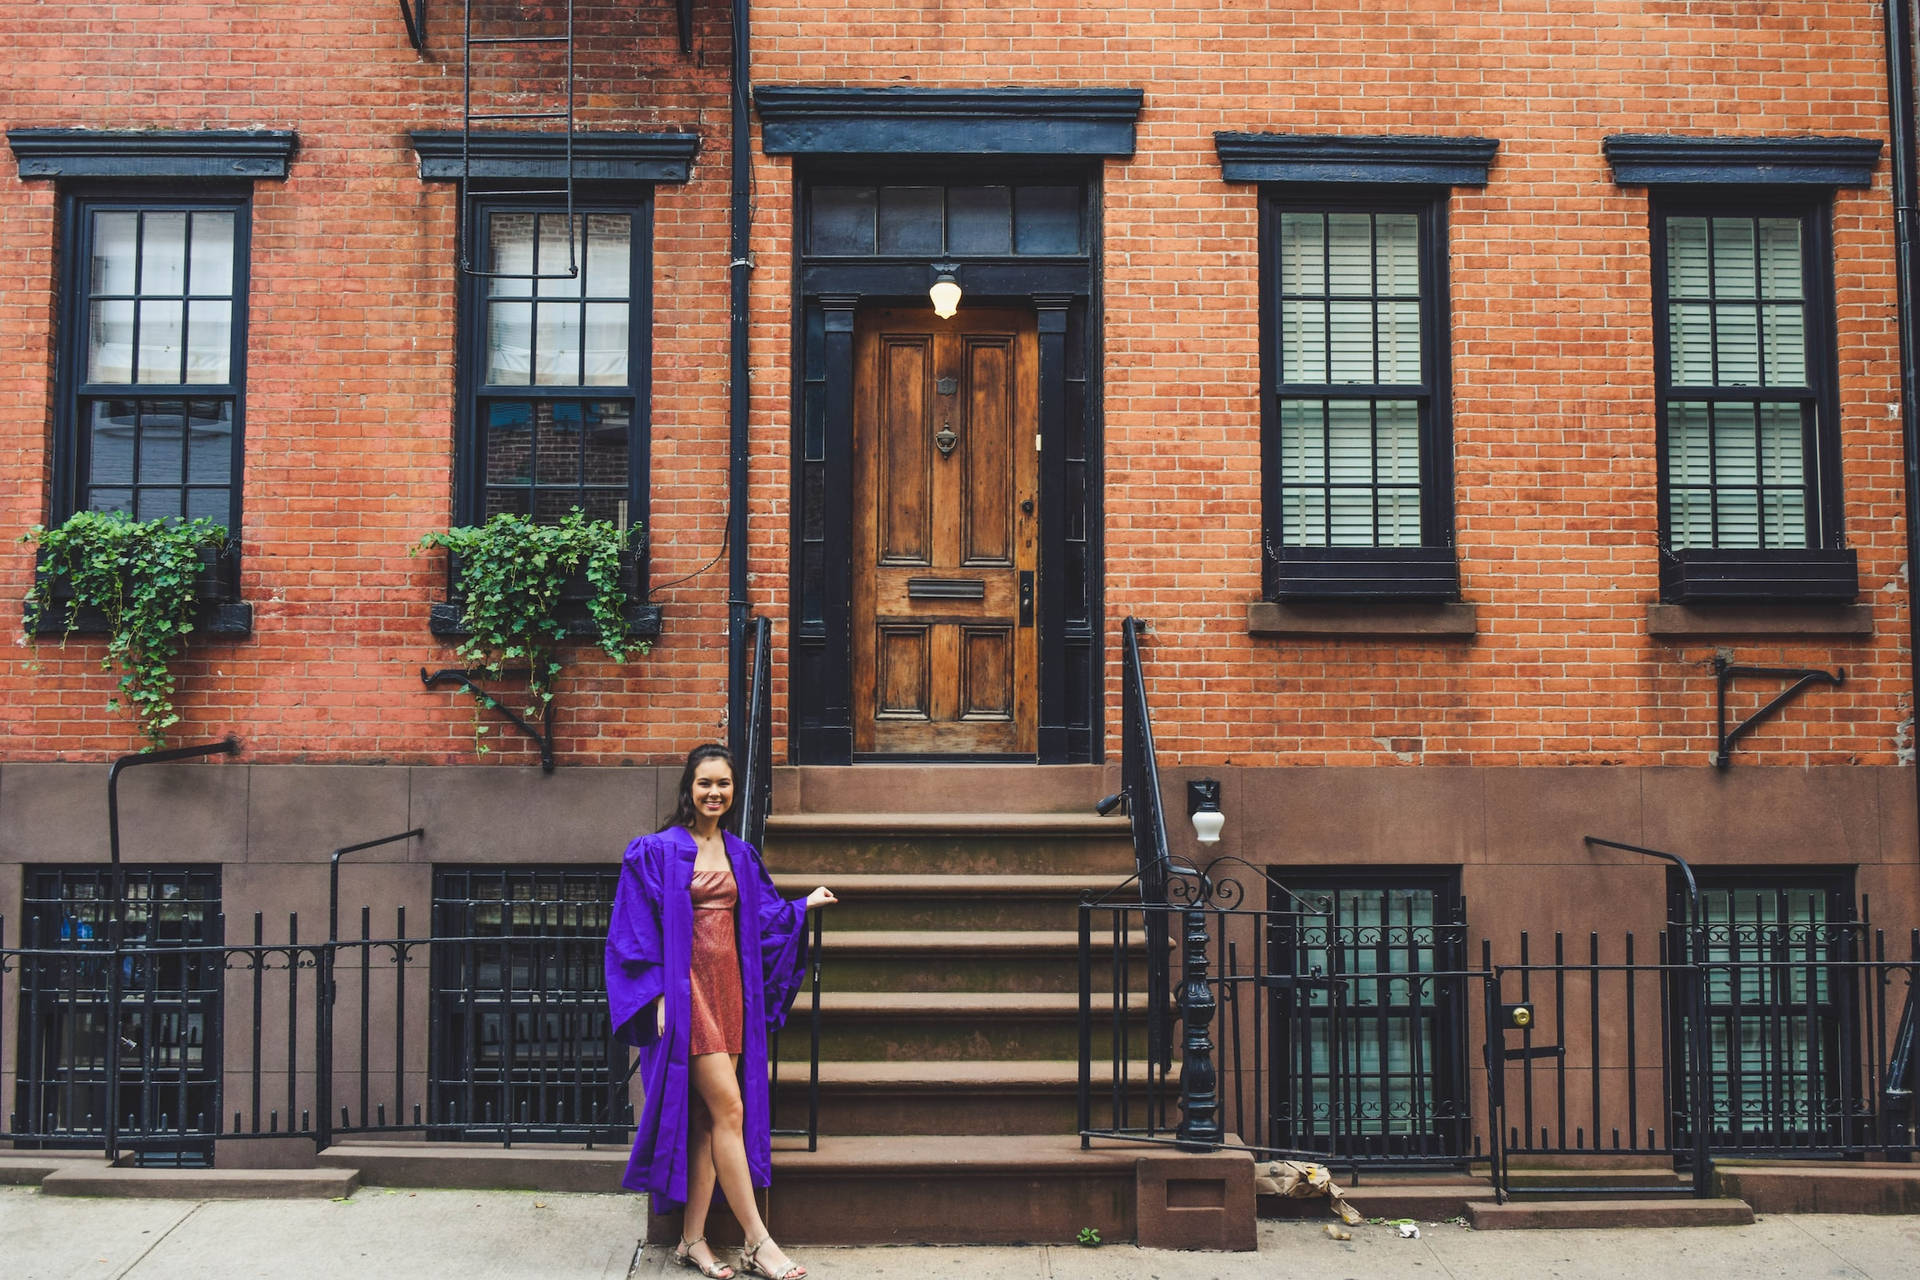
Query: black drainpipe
x,y
738,393
1906,208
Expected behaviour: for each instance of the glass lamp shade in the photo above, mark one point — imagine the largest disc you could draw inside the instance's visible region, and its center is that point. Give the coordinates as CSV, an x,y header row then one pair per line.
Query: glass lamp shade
x,y
945,295
1207,824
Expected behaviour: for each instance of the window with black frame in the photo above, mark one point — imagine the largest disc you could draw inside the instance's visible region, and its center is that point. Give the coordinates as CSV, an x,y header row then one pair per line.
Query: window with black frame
x,y
153,362
557,363
1750,464
1357,444
519,1034
1781,1059
167,1094
1369,1017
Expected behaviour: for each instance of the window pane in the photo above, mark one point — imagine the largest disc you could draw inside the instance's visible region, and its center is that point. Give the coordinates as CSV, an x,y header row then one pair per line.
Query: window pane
x,y
510,245
518,502
1400,342
606,504
556,443
1737,345
1350,441
509,442
1689,475
557,344
162,443
1783,472
1351,356
1733,259
163,253
212,274
1351,518
1303,465
608,430
209,342
110,342
110,446
156,504
115,236
609,265
558,255
1687,257
1780,264
161,350
606,344
209,441
509,343
209,504
1690,339
1303,337
1785,348
979,220
110,500
912,220
1046,220
1303,248
1397,241
1350,253
842,220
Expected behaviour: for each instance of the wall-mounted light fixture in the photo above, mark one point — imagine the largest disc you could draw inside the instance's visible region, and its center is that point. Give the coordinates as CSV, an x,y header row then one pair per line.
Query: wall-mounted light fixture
x,y
1203,807
945,292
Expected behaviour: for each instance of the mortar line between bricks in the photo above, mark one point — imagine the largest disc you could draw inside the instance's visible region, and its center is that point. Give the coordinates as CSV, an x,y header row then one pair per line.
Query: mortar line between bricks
x,y
148,1251
1848,1263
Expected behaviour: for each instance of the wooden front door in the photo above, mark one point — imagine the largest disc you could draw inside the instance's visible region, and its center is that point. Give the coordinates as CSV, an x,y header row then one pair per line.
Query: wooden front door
x,y
945,482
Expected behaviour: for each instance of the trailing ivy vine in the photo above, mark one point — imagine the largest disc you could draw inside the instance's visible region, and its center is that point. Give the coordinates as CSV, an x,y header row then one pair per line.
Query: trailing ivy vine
x,y
512,575
139,576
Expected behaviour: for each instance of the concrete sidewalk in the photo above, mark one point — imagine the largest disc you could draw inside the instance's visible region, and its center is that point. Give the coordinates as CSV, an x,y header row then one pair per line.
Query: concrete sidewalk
x,y
491,1235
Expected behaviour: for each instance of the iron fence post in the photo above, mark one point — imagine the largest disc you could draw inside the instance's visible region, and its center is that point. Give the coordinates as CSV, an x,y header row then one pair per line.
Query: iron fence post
x,y
1199,1094
1085,1099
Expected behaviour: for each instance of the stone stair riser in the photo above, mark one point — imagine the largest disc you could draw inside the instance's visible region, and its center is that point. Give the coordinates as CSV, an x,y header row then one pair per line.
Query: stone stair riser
x,y
885,1038
947,855
954,913
1010,973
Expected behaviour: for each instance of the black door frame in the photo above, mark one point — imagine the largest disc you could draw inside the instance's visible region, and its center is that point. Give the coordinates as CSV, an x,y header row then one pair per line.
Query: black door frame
x,y
1062,291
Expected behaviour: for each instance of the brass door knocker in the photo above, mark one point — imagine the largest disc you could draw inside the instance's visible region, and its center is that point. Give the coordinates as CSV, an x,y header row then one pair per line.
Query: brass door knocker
x,y
944,439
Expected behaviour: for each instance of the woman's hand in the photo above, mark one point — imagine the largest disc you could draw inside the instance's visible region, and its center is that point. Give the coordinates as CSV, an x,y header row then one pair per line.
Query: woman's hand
x,y
821,897
660,1016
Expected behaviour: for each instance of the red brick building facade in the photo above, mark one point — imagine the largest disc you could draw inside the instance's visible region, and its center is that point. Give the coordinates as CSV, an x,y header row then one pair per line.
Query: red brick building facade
x,y
1622,278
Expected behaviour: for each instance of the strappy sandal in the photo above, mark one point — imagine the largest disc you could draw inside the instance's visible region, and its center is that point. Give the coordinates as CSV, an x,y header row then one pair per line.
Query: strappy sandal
x,y
750,1259
715,1270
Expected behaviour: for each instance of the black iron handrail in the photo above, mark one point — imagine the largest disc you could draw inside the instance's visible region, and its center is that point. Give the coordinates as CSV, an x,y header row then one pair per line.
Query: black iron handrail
x,y
753,740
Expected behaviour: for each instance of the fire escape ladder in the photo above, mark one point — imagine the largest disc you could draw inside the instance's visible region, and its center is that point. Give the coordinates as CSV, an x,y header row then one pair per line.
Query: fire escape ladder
x,y
512,98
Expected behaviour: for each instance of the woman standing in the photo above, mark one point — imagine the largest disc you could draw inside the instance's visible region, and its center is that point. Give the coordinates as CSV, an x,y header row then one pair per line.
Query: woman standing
x,y
703,957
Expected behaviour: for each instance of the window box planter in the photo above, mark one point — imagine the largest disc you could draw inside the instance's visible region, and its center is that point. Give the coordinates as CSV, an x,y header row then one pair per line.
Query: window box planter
x,y
221,611
1706,575
643,620
1364,573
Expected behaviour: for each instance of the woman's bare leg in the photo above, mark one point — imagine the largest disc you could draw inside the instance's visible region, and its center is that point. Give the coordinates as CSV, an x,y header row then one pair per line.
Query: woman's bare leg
x,y
715,1081
700,1178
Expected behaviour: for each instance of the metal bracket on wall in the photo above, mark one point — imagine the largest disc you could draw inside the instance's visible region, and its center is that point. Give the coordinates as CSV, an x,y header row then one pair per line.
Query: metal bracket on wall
x,y
1725,672
542,737
414,14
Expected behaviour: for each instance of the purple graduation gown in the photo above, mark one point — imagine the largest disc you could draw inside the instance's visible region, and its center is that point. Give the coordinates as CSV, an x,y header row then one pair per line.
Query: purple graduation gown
x,y
649,948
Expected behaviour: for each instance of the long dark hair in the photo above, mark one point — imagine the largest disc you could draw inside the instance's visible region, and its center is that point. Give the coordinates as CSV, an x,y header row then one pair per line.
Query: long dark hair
x,y
683,811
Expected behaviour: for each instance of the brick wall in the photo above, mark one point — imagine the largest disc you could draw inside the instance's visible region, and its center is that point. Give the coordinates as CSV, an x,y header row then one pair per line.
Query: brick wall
x,y
350,393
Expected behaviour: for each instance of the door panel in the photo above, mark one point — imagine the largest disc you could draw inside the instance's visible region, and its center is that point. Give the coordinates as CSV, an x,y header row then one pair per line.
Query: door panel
x,y
946,477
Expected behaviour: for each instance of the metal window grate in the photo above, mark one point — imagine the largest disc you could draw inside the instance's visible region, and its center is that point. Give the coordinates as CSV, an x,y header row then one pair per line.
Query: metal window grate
x,y
519,1029
169,1020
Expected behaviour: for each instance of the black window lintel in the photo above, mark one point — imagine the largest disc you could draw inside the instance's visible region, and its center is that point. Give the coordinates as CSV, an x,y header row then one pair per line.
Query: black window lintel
x,y
820,121
153,153
597,157
1652,160
1322,157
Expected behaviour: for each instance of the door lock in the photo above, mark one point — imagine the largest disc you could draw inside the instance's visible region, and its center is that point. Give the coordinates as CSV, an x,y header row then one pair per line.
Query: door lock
x,y
944,439
1026,597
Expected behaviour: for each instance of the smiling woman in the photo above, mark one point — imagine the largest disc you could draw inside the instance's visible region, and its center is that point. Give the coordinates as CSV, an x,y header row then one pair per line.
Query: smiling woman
x,y
696,918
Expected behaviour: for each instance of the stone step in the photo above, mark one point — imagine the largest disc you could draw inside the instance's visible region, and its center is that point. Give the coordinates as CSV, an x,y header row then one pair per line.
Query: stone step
x,y
202,1184
903,901
1428,1197
948,1098
1003,960
826,844
27,1168
528,1166
932,1190
1615,1178
954,1025
1677,1211
1789,1187
935,787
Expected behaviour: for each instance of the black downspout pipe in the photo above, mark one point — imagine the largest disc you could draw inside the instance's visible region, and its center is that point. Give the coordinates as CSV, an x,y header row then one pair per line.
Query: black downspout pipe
x,y
227,746
1906,209
739,394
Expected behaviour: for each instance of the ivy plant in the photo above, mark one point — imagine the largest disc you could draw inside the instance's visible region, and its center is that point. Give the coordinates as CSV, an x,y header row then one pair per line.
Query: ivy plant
x,y
139,576
513,573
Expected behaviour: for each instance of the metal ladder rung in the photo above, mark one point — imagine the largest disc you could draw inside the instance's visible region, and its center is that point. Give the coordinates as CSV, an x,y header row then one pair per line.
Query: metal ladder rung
x,y
477,189
518,40
468,254
519,115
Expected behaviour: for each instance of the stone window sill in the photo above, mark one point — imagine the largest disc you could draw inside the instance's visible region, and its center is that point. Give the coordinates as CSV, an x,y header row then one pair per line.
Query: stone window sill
x,y
1332,619
1682,621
